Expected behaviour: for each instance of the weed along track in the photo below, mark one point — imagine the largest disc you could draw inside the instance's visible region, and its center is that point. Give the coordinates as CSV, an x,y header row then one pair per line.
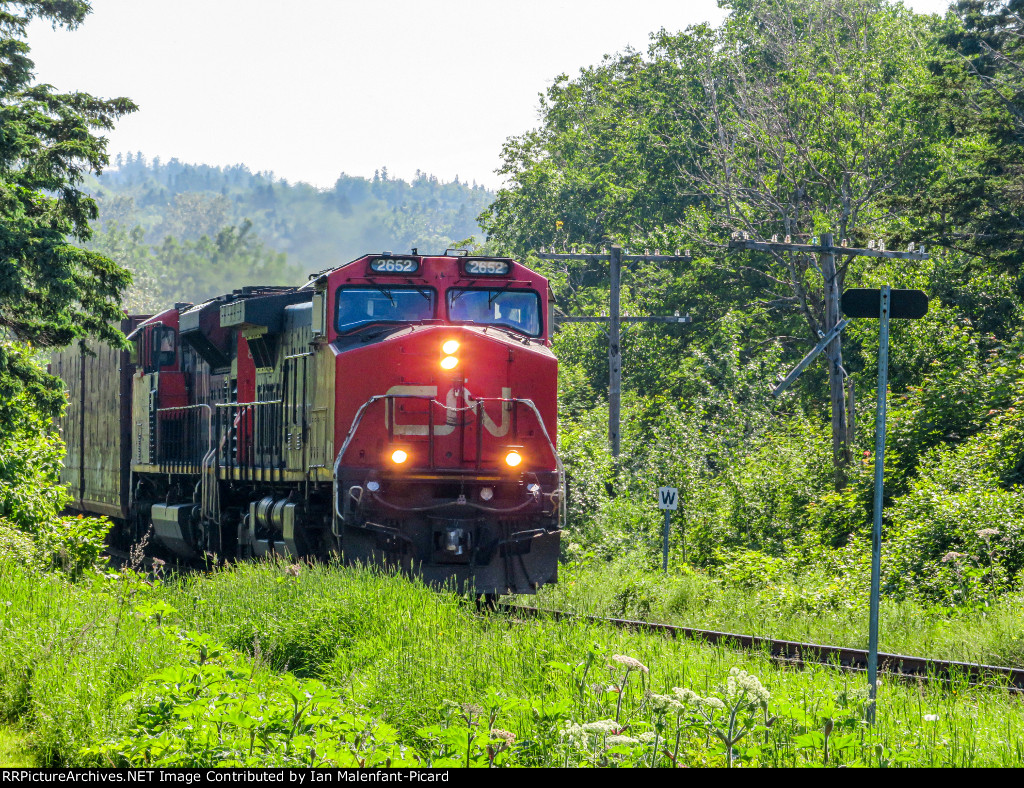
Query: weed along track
x,y
793,652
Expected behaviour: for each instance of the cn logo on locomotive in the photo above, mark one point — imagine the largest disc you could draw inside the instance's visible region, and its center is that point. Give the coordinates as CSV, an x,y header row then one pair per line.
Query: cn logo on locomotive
x,y
452,405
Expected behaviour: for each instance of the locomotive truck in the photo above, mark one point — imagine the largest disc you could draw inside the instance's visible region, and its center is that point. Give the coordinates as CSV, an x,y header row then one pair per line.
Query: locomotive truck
x,y
397,410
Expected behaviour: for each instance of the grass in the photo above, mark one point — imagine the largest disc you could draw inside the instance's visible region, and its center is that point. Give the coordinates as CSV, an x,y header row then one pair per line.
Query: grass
x,y
412,658
401,651
68,651
795,611
15,749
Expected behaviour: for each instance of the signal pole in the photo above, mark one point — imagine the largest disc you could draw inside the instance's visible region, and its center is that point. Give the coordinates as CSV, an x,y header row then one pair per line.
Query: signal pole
x,y
827,253
615,259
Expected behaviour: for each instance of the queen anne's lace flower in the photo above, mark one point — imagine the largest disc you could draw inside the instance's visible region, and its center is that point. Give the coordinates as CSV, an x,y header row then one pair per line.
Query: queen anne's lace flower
x,y
601,726
574,734
988,533
665,703
615,741
648,737
742,685
629,662
686,696
713,703
500,733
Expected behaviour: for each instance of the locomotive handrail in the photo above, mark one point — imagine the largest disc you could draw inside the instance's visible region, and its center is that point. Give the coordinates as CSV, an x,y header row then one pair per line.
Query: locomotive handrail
x,y
247,404
209,419
357,420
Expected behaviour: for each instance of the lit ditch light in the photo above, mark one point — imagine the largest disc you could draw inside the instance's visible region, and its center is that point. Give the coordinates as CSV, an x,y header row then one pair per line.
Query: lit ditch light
x,y
513,458
398,456
449,362
450,347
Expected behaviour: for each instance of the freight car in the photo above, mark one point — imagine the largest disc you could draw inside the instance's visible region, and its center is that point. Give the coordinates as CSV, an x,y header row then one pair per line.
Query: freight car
x,y
398,410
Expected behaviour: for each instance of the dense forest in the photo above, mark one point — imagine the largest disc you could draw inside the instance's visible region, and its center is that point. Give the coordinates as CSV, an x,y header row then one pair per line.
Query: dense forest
x,y
188,231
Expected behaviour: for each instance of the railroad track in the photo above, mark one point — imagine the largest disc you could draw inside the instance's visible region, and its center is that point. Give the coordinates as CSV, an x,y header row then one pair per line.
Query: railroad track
x,y
795,653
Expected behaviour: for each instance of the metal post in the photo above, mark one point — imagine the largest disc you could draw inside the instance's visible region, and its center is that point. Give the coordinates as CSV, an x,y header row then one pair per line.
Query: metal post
x,y
664,542
876,531
614,358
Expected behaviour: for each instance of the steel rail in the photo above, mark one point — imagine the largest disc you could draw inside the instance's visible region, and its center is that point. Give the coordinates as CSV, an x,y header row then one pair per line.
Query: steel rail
x,y
793,652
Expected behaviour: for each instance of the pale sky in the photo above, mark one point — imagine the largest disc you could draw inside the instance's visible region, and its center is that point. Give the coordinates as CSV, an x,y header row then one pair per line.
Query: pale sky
x,y
312,88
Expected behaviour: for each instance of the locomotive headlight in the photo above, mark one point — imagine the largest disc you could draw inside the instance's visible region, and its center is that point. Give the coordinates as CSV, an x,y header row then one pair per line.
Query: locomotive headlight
x,y
513,458
450,347
398,456
486,493
449,362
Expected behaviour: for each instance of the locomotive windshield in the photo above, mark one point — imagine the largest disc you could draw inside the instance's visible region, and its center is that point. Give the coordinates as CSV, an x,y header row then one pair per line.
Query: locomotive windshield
x,y
358,306
515,309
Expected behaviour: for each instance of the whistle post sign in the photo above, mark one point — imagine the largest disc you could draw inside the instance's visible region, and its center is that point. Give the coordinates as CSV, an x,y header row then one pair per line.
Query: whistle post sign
x,y
668,500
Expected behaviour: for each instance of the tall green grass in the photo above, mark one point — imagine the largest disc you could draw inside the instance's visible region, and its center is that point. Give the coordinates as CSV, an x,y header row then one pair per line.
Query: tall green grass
x,y
794,609
68,651
402,654
402,651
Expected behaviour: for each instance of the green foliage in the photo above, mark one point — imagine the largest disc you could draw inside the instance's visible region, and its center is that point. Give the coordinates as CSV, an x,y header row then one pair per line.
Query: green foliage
x,y
217,709
97,674
32,498
970,199
51,292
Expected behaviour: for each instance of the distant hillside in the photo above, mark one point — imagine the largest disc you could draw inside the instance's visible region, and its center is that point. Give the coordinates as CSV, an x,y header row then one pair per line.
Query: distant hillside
x,y
191,231
315,228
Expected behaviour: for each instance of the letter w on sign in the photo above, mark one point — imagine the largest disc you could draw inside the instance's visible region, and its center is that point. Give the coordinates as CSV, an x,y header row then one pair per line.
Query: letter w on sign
x,y
668,498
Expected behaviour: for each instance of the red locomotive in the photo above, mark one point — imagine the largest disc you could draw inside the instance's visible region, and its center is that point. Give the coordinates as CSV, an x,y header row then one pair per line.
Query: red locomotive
x,y
398,410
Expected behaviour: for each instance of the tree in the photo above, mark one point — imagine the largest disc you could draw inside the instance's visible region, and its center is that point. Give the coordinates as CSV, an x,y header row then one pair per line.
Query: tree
x,y
973,199
795,117
809,121
51,291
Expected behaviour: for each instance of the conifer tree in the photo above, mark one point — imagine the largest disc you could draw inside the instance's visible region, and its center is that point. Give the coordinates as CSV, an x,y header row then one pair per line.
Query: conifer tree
x,y
51,291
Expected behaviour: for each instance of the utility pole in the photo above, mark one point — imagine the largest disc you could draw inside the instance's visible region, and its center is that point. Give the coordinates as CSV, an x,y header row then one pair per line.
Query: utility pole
x,y
826,252
615,259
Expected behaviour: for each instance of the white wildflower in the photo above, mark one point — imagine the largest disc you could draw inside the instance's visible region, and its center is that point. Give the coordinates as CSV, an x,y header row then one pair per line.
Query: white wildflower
x,y
686,696
629,662
574,734
952,555
665,703
988,533
616,741
601,726
931,718
714,703
648,737
742,684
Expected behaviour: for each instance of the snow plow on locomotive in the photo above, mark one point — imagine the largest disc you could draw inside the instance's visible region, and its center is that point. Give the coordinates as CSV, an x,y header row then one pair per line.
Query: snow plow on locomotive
x,y
398,410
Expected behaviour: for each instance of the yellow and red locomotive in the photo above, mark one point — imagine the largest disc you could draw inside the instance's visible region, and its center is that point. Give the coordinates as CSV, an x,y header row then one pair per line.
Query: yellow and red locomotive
x,y
398,410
